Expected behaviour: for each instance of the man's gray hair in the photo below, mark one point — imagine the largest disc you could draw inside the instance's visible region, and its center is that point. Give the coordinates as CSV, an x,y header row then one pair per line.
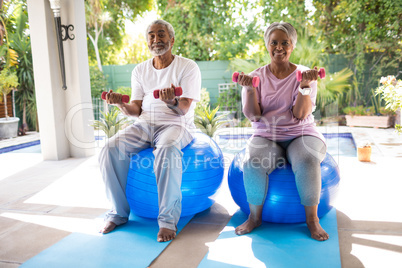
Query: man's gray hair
x,y
167,24
286,27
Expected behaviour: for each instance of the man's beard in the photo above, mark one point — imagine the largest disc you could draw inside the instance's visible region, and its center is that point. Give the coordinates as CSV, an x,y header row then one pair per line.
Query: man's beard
x,y
160,51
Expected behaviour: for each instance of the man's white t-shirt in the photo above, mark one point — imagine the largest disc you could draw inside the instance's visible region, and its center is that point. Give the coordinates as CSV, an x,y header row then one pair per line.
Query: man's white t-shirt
x,y
183,73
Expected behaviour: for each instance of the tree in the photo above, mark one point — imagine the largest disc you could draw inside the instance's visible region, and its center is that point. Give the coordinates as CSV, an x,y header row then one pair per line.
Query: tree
x,y
135,50
367,32
105,26
8,61
96,18
20,42
293,12
208,29
2,31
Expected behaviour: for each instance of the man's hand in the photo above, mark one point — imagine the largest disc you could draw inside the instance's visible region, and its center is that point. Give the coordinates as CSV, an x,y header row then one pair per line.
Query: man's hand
x,y
167,95
113,98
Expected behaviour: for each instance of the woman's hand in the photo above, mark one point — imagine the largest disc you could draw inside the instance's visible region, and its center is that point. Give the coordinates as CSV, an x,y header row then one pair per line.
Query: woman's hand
x,y
308,77
245,80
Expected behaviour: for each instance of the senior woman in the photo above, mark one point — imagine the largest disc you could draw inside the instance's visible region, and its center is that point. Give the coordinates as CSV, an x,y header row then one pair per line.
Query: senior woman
x,y
280,109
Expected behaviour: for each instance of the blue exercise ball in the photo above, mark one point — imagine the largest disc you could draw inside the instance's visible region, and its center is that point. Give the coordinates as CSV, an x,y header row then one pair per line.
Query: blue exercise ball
x,y
203,169
282,204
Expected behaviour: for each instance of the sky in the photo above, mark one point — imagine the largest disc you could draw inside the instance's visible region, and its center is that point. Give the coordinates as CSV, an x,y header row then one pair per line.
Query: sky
x,y
139,25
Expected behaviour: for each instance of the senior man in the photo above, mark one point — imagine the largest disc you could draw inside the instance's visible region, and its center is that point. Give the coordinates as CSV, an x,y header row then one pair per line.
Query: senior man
x,y
164,124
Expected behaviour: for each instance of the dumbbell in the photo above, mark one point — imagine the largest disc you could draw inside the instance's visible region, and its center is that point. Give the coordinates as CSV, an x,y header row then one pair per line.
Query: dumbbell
x,y
256,79
124,98
177,92
321,74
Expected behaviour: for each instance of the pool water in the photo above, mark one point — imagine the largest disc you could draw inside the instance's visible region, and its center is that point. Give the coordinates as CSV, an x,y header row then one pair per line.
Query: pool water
x,y
29,147
338,144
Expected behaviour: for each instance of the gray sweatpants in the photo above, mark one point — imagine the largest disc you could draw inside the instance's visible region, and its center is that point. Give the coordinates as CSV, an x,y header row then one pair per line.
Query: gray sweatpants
x,y
114,160
262,156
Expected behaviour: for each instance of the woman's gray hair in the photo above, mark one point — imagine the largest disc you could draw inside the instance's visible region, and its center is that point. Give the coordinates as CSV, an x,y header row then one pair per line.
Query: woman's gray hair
x,y
286,27
167,24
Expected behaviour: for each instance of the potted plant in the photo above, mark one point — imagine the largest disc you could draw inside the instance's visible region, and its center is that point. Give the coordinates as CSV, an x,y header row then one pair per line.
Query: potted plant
x,y
110,124
391,91
364,153
8,125
8,82
208,121
375,116
360,116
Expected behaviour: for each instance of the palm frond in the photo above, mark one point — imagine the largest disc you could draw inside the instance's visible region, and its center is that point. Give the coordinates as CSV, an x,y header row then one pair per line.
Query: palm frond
x,y
110,124
207,121
333,87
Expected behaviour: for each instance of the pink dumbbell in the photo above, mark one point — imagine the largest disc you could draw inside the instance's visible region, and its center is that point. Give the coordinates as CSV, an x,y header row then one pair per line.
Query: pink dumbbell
x,y
256,79
124,98
321,74
177,92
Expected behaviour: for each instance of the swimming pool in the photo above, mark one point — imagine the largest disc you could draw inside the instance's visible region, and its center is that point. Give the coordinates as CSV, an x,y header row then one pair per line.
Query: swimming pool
x,y
338,144
29,147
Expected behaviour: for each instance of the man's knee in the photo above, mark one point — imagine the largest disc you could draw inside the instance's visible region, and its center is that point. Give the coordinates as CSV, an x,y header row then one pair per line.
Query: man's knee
x,y
113,150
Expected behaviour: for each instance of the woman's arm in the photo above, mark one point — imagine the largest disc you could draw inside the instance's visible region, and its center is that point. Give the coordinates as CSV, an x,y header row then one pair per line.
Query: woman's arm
x,y
251,107
303,106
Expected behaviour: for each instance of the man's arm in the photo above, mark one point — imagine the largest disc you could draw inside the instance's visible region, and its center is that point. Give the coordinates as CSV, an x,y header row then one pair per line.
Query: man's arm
x,y
130,109
179,105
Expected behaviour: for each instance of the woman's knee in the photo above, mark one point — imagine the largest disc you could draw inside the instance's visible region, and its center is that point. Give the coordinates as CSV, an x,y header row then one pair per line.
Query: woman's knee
x,y
261,151
259,162
308,160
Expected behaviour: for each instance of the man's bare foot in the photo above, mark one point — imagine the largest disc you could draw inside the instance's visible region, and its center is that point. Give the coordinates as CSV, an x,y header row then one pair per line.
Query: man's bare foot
x,y
316,230
108,227
247,226
165,235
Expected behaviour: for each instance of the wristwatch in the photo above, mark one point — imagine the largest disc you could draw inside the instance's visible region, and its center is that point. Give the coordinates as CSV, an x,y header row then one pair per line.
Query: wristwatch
x,y
305,91
174,105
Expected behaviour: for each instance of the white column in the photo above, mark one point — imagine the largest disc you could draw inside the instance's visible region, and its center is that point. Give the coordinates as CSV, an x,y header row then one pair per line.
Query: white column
x,y
64,115
78,98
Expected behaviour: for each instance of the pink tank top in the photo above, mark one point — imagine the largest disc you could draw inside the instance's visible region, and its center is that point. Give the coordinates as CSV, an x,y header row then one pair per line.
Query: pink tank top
x,y
276,98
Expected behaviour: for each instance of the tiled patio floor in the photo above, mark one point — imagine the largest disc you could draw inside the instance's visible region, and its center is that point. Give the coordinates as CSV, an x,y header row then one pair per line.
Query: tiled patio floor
x,y
43,201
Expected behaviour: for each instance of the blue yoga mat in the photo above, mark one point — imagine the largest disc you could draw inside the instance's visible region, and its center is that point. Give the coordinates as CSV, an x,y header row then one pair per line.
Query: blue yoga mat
x,y
274,245
130,245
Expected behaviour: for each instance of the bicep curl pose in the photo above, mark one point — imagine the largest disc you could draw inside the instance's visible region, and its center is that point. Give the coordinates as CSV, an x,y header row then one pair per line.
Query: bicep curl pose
x,y
165,90
280,108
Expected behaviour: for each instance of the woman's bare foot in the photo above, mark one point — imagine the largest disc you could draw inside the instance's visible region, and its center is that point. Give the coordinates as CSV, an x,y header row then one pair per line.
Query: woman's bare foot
x,y
165,235
313,224
247,226
316,230
254,220
108,227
